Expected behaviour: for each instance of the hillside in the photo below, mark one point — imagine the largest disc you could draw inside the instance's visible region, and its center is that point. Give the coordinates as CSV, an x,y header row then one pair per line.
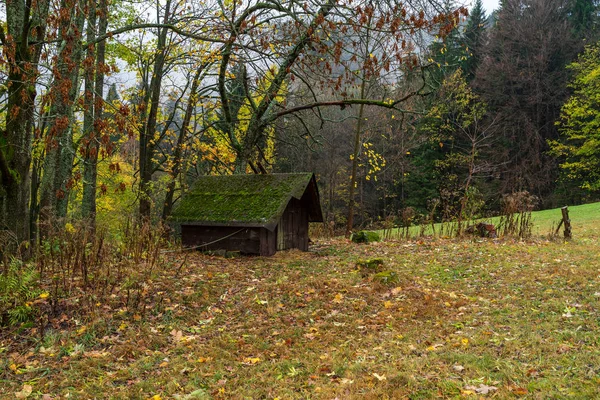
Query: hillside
x,y
584,220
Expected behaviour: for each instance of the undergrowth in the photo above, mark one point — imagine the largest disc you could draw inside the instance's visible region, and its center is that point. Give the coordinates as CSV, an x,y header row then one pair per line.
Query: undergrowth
x,y
76,272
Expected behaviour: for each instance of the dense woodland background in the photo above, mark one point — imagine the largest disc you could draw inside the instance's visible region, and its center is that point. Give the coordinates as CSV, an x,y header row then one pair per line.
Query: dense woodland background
x,y
406,111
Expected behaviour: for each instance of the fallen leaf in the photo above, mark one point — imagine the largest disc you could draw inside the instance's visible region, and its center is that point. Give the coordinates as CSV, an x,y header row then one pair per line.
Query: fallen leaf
x,y
95,354
24,393
177,335
458,368
482,389
251,360
519,391
338,298
379,377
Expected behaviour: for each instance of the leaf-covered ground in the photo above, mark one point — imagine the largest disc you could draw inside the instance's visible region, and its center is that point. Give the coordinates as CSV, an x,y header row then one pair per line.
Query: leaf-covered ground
x,y
465,318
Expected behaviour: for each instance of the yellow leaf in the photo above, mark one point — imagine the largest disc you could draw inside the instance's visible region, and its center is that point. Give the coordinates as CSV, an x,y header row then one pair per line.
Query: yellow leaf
x,y
44,295
388,304
155,397
251,360
434,347
396,290
163,364
204,359
465,341
81,330
13,367
338,298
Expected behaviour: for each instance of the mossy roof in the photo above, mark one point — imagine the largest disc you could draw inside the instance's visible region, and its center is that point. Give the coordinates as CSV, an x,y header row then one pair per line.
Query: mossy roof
x,y
245,200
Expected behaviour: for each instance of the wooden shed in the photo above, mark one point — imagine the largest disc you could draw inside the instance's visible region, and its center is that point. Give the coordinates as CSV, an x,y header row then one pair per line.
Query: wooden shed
x,y
252,214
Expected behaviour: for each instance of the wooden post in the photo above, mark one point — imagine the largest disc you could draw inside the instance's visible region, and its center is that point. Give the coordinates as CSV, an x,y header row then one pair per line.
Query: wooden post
x,y
566,221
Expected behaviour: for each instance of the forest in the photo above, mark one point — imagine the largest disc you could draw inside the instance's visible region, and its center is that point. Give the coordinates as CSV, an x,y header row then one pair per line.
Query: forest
x,y
406,111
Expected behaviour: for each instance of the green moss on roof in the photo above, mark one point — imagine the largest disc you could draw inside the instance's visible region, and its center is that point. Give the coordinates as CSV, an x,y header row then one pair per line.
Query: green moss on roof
x,y
244,199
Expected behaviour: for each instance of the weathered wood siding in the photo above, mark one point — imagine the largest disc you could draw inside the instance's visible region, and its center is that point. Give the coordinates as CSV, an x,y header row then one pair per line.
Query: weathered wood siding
x,y
245,240
292,231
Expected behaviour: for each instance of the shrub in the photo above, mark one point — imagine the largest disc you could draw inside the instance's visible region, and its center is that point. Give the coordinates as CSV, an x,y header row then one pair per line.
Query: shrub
x,y
365,237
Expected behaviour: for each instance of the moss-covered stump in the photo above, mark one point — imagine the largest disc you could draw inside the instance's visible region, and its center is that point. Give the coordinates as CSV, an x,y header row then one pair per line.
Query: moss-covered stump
x,y
365,237
386,278
368,267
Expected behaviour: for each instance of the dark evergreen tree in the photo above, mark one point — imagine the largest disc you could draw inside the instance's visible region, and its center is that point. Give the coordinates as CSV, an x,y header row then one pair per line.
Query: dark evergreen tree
x,y
583,16
474,40
523,78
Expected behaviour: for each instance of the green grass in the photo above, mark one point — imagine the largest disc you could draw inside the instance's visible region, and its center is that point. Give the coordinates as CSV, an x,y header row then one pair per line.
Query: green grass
x,y
520,317
584,220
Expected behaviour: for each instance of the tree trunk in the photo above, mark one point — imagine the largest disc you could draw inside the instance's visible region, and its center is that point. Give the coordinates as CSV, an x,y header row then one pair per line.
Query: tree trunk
x,y
357,134
24,24
63,178
58,165
95,108
177,154
147,145
353,176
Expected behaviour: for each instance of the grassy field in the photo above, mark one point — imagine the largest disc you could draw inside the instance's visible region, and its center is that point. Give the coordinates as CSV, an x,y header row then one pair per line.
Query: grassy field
x,y
585,220
473,318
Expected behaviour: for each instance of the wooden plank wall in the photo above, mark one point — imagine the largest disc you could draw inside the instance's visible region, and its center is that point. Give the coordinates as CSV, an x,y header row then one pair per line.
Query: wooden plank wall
x,y
246,241
293,227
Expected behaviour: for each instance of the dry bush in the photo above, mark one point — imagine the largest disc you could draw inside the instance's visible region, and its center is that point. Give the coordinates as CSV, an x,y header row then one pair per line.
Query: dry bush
x,y
387,225
516,214
82,272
